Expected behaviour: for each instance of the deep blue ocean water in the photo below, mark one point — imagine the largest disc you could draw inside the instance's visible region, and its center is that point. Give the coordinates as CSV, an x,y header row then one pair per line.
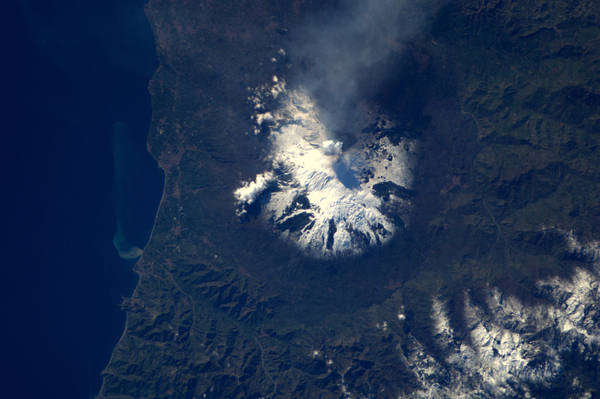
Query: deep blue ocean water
x,y
77,73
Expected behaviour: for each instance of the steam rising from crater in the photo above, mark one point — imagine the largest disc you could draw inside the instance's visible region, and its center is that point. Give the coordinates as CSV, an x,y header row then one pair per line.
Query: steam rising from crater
x,y
325,199
344,53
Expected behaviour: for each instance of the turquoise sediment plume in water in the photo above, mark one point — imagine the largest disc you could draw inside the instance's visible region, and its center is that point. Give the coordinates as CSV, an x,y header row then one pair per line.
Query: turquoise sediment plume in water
x,y
131,168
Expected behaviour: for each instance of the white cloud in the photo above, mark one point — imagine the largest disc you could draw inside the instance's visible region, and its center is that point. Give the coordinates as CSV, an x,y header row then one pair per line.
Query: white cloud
x,y
264,117
331,147
247,194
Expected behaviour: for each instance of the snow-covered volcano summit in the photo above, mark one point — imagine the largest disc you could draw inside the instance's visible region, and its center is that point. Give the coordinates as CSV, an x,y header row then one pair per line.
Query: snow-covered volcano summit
x,y
327,199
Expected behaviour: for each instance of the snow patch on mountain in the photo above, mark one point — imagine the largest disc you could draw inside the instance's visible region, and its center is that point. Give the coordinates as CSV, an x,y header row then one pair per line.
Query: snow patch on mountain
x,y
510,343
320,195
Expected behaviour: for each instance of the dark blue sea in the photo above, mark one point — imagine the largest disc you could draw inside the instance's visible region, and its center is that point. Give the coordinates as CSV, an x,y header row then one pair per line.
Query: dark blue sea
x,y
76,171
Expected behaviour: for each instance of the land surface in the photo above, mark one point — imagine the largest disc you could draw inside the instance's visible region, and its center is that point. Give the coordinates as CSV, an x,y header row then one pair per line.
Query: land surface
x,y
505,99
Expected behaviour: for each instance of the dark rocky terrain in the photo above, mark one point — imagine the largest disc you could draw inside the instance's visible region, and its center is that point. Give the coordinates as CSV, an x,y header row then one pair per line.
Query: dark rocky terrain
x,y
505,98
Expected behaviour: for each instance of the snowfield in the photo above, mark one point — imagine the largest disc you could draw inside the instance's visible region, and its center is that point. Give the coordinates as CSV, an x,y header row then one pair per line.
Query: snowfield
x,y
318,193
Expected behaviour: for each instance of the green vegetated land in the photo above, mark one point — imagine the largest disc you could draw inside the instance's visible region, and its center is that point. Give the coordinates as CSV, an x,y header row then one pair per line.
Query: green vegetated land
x,y
508,97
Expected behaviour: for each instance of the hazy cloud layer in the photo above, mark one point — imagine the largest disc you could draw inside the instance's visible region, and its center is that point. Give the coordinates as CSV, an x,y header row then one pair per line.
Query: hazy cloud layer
x,y
343,50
